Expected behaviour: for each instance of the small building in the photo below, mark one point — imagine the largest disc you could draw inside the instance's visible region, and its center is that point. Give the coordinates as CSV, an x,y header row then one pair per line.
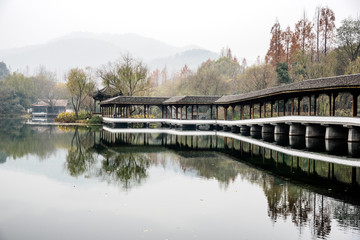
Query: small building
x,y
46,109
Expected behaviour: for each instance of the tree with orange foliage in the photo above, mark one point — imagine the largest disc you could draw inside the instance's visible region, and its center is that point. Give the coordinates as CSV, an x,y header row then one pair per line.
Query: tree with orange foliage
x,y
185,72
303,37
276,51
327,26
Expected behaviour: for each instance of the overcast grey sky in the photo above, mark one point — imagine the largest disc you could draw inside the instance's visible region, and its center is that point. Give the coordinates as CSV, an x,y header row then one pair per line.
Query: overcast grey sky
x,y
244,26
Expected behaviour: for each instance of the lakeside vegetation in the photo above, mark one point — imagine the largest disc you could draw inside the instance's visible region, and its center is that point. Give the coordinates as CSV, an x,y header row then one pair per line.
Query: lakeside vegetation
x,y
312,49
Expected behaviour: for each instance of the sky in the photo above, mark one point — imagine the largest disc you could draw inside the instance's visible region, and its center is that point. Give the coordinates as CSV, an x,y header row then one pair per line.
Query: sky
x,y
244,26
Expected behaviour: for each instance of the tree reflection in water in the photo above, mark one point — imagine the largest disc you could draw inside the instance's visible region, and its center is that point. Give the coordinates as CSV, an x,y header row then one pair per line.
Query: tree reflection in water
x,y
128,169
79,159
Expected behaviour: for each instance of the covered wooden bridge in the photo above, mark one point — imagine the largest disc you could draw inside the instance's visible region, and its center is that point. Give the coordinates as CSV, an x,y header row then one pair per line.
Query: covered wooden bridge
x,y
325,97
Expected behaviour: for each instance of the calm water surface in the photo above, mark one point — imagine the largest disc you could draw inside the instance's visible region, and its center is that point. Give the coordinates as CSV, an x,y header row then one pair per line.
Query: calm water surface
x,y
61,183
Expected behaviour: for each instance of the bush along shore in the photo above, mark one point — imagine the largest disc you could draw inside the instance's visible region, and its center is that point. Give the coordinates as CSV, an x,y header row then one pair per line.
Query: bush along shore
x,y
70,119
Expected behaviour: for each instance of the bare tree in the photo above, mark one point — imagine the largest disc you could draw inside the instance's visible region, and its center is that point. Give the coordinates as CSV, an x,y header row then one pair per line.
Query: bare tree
x,y
128,76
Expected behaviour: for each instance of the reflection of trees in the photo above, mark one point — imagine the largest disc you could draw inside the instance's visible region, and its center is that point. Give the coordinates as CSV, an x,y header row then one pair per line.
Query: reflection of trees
x,y
347,215
209,165
3,157
322,218
79,160
127,168
301,205
127,158
18,140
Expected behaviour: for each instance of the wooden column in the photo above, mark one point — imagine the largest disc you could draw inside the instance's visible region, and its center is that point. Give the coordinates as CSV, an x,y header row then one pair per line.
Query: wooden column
x,y
241,112
233,112
330,112
144,111
278,107
192,111
315,103
197,112
176,112
333,103
292,106
225,112
186,112
264,109
250,110
260,105
309,109
216,112
284,108
181,113
148,111
271,108
299,107
354,104
211,112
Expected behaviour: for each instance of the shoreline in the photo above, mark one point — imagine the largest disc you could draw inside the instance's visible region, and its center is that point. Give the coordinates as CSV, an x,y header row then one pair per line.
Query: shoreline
x,y
60,124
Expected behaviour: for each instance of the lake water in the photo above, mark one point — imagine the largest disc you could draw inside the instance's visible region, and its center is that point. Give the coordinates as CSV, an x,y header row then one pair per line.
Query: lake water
x,y
83,183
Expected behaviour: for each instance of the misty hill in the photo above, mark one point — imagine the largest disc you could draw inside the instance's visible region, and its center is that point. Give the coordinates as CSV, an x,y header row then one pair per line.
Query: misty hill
x,y
192,58
82,49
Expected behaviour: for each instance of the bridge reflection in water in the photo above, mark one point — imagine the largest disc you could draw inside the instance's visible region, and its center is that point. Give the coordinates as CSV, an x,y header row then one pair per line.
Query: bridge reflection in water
x,y
288,157
311,192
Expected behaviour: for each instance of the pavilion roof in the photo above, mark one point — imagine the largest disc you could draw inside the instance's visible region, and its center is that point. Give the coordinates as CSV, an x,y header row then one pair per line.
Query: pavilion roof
x,y
106,92
135,100
190,100
313,85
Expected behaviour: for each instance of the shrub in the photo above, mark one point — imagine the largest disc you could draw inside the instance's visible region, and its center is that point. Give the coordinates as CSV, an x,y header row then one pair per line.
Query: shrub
x,y
95,119
65,117
82,115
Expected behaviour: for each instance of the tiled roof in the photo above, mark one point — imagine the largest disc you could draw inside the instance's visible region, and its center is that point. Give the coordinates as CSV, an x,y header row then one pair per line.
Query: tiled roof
x,y
339,82
127,100
183,100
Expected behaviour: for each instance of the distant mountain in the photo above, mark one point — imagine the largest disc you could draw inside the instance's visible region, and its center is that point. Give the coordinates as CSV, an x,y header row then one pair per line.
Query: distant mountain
x,y
192,58
81,49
